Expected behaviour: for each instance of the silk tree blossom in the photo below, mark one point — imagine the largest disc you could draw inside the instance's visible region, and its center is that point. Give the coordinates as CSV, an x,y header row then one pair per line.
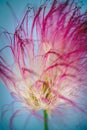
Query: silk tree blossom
x,y
49,53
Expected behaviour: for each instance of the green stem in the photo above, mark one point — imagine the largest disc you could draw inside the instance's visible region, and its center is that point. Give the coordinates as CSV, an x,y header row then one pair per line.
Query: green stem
x,y
45,120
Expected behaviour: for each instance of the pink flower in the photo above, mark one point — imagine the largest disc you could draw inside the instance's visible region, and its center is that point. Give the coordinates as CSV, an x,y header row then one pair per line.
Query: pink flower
x,y
49,53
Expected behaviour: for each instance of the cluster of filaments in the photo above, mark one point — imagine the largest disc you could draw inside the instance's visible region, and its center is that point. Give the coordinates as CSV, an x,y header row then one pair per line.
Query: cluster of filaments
x,y
49,50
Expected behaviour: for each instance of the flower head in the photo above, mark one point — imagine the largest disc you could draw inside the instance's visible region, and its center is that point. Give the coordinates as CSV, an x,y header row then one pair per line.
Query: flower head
x,y
49,50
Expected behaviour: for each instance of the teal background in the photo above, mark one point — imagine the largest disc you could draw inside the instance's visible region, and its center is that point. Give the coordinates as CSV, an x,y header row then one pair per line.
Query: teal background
x,y
7,21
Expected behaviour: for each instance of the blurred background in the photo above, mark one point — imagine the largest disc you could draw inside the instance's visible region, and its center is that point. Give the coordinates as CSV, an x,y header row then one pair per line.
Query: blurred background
x,y
8,22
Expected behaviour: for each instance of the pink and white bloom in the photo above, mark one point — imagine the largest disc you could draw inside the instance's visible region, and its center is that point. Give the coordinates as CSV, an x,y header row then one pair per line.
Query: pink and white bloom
x,y
49,50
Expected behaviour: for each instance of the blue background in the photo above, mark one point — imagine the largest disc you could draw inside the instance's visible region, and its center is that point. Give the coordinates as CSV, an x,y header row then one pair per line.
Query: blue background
x,y
7,21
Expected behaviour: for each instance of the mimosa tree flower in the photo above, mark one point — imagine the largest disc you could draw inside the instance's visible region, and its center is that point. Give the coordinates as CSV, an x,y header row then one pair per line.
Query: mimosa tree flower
x,y
49,54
